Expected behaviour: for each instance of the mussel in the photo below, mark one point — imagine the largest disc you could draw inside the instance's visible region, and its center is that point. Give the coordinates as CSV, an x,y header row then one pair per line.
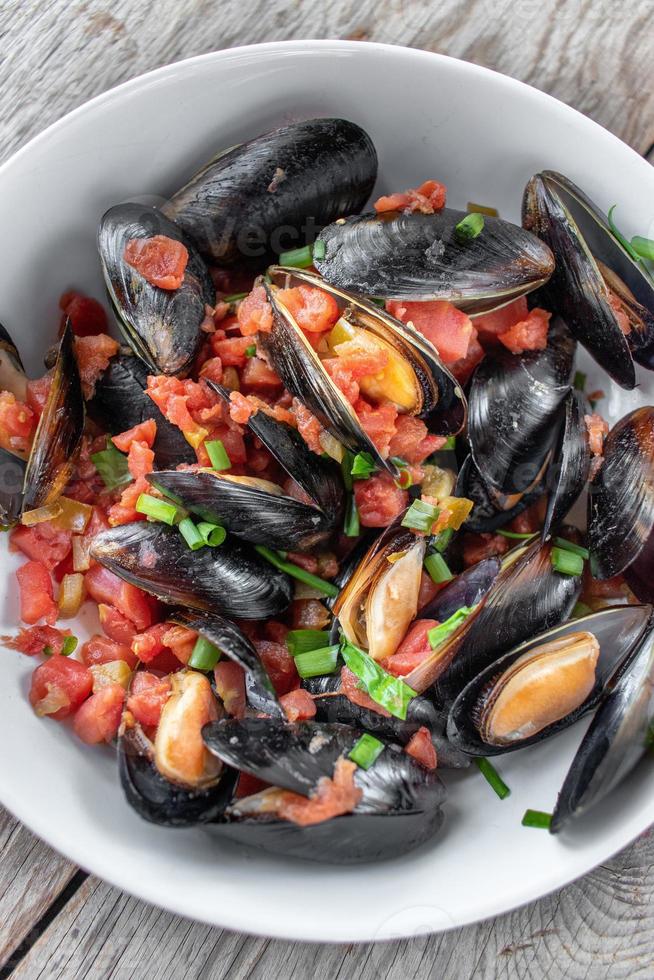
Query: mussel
x,y
162,326
486,515
616,740
544,685
467,589
398,804
570,468
12,478
605,297
12,372
421,257
258,510
230,580
275,192
621,505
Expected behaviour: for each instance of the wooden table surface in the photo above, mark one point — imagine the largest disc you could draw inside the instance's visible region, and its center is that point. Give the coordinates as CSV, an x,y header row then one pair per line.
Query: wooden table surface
x,y
597,55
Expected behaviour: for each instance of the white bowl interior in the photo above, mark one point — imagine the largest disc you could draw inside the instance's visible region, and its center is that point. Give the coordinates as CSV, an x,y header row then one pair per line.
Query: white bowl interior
x,y
429,116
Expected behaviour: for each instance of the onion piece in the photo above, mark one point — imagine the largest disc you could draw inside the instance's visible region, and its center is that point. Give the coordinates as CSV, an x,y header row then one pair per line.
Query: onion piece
x,y
72,593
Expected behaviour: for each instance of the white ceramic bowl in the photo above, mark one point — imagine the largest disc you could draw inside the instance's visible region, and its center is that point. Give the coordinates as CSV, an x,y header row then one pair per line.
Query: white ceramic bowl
x,y
429,116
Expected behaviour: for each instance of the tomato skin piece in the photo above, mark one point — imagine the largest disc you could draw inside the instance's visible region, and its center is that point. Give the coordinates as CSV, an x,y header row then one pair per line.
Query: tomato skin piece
x,y
36,639
159,259
421,748
413,649
147,698
87,316
60,675
103,586
428,198
36,594
98,718
379,501
298,705
230,684
101,650
351,690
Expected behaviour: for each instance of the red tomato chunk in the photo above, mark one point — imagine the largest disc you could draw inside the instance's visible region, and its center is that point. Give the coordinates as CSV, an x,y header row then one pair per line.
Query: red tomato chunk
x,y
103,586
87,317
97,719
160,260
101,650
298,705
147,698
421,748
36,594
59,686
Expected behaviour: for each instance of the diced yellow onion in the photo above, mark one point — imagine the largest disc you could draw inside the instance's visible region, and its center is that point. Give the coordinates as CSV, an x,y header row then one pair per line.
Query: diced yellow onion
x,y
81,553
71,595
114,672
74,515
41,514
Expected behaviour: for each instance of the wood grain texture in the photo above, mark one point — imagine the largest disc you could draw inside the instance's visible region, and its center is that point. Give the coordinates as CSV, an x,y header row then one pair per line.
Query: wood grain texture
x,y
593,54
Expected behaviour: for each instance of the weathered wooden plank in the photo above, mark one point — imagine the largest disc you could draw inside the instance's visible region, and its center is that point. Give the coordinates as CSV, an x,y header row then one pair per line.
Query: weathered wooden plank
x,y
31,877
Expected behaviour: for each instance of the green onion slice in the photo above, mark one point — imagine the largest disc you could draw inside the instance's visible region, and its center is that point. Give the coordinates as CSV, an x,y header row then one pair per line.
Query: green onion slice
x,y
218,455
627,246
233,298
420,516
566,562
449,444
437,569
213,534
469,227
537,818
580,609
440,633
327,588
579,382
251,351
644,247
515,534
388,691
366,750
112,466
492,777
576,549
347,463
363,466
319,249
205,655
191,534
300,641
315,663
70,645
300,258
405,480
442,540
352,524
157,509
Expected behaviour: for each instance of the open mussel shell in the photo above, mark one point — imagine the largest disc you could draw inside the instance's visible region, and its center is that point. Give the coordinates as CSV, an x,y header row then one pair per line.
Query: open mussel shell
x,y
12,372
121,401
162,326
569,470
231,580
380,600
621,504
59,433
12,477
514,414
594,276
618,737
274,192
559,674
526,598
421,257
154,792
487,515
467,589
398,811
259,511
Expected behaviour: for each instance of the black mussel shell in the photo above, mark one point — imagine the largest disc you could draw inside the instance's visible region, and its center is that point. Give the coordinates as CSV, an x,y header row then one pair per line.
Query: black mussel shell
x,y
421,257
467,589
121,401
527,598
399,810
12,372
618,737
589,258
275,192
514,413
231,580
162,326
59,433
621,501
569,470
12,477
617,630
487,516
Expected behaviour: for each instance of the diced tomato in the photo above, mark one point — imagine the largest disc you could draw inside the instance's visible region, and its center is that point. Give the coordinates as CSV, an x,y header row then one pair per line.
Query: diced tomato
x,y
147,645
42,542
413,649
351,690
140,460
279,665
428,198
428,589
116,626
37,393
256,374
332,798
17,423
598,429
165,662
87,316
248,785
98,718
62,568
378,422
143,432
36,593
527,334
298,705
531,519
160,260
102,650
275,631
449,329
476,547
618,308
313,309
93,354
412,441
180,641
147,697
37,639
308,426
608,588
103,586
309,614
231,350
59,686
490,325
379,501
421,748
124,511
212,370
255,313
463,368
230,684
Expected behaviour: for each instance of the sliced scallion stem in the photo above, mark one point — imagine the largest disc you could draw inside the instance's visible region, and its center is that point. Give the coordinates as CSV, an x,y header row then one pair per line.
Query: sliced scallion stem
x,y
576,549
566,562
492,777
420,516
405,480
213,534
644,247
469,227
315,663
442,539
70,645
515,534
366,750
352,524
299,258
233,298
449,444
299,641
389,691
218,455
346,468
205,655
327,588
627,246
319,249
437,569
251,351
580,609
191,534
112,466
157,509
537,818
440,633
363,466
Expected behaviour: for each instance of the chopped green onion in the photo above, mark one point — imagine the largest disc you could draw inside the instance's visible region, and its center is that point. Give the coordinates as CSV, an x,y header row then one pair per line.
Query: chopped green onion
x,y
327,588
580,609
218,455
70,645
399,462
299,641
620,237
347,463
112,466
213,534
515,534
319,249
579,381
366,750
492,777
576,549
566,562
442,540
644,247
405,480
191,534
234,298
440,633
251,351
449,444
315,663
352,524
205,655
420,516
437,569
300,258
389,691
537,818
469,227
157,509
363,466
